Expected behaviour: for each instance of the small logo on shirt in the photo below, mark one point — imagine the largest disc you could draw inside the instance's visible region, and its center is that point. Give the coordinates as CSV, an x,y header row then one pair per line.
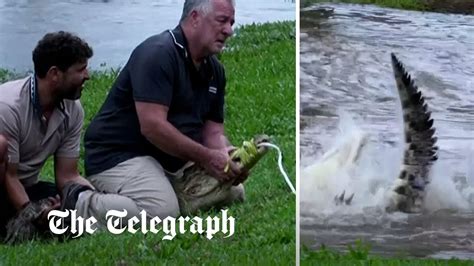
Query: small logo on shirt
x,y
213,90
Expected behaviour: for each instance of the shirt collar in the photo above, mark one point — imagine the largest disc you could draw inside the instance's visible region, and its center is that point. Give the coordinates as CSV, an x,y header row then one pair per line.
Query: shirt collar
x,y
181,43
180,40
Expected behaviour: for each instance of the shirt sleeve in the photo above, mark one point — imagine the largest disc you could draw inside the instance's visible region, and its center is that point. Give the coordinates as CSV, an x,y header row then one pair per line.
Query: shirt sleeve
x,y
70,146
152,73
10,128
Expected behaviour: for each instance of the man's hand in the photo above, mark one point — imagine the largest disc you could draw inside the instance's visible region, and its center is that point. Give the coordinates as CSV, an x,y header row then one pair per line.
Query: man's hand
x,y
216,164
242,174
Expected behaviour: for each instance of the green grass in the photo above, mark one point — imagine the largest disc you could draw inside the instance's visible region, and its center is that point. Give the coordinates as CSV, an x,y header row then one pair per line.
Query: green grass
x,y
260,66
359,254
6,75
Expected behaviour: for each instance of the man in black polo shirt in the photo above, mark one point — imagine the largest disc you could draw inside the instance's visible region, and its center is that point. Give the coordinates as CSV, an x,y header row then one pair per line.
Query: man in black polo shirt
x,y
165,108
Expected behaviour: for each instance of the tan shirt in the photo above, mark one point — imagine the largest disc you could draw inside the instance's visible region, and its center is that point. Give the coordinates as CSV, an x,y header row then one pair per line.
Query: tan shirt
x,y
30,143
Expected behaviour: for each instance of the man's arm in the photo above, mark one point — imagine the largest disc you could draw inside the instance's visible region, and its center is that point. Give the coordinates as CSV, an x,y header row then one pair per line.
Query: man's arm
x,y
9,145
16,190
213,136
67,155
3,158
155,127
65,170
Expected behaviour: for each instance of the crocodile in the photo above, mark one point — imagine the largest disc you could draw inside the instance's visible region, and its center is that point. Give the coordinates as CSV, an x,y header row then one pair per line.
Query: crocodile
x,y
409,189
197,190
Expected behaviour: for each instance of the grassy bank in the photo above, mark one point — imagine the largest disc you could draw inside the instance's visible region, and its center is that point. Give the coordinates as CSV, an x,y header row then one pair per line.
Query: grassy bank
x,y
359,254
454,6
260,66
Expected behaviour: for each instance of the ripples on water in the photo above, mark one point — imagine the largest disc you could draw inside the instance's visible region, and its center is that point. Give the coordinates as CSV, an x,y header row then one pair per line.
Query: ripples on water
x,y
346,69
112,27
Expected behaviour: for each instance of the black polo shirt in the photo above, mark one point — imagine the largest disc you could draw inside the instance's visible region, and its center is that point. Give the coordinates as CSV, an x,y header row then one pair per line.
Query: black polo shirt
x,y
160,70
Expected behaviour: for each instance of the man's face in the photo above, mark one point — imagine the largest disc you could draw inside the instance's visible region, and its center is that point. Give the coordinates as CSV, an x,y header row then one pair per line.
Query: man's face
x,y
72,81
216,26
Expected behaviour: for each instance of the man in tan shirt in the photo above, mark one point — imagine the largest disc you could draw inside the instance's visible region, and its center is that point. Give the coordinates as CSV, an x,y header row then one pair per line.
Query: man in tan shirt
x,y
40,116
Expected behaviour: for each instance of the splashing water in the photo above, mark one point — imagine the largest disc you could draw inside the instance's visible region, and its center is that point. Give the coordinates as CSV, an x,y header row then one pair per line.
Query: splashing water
x,y
368,170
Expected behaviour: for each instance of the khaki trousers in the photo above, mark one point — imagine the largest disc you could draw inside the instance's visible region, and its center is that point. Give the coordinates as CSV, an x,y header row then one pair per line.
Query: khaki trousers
x,y
135,185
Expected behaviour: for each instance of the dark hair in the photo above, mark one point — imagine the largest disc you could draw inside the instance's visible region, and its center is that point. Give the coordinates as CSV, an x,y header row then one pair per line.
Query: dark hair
x,y
61,49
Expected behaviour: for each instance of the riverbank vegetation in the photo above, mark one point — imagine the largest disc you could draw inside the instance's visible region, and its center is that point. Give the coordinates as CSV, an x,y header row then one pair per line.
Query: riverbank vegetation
x,y
260,66
359,254
453,6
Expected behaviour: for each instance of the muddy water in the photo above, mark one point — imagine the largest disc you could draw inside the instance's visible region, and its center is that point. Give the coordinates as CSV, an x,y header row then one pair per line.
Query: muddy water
x,y
347,85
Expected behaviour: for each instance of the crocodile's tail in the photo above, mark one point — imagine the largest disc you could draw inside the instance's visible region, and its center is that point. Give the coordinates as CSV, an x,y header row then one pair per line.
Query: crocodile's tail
x,y
420,144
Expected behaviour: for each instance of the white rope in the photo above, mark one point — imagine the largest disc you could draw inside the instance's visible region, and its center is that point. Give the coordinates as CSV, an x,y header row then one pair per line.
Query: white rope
x,y
280,164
